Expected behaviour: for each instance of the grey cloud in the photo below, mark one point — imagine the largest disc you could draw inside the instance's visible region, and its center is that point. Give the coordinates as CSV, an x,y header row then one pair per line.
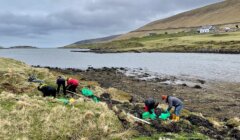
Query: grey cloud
x,y
48,19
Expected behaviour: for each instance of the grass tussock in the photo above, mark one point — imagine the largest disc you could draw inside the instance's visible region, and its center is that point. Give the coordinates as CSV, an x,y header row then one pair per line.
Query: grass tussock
x,y
115,94
45,118
119,95
25,114
14,76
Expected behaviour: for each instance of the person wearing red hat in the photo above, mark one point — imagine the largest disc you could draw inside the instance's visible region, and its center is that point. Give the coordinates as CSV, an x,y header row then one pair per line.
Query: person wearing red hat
x,y
72,84
173,102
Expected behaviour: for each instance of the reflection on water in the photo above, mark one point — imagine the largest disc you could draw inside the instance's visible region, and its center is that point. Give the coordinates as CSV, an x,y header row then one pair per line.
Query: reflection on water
x,y
208,66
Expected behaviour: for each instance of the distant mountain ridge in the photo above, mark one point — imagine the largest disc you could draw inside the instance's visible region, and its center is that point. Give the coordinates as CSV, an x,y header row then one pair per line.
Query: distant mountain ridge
x,y
22,47
96,40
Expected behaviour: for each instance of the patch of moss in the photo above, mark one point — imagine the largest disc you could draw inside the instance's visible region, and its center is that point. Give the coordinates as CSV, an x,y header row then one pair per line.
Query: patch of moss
x,y
52,104
50,83
7,105
36,127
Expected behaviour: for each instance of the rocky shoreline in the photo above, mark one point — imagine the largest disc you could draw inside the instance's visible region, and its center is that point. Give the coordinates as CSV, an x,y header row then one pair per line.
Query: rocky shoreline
x,y
217,118
212,99
102,51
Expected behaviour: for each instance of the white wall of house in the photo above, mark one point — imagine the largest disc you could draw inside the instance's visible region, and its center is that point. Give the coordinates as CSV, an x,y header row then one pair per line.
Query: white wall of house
x,y
204,30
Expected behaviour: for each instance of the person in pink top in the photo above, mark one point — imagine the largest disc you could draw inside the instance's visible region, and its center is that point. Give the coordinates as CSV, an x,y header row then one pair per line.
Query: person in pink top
x,y
72,84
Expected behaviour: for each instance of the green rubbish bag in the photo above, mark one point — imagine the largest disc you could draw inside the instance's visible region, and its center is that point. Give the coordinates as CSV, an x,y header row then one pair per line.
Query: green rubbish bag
x,y
63,100
87,92
165,116
147,115
153,116
95,99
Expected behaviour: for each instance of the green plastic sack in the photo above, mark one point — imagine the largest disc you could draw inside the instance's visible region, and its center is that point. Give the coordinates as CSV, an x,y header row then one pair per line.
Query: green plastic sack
x,y
146,115
164,116
65,101
87,92
153,116
95,99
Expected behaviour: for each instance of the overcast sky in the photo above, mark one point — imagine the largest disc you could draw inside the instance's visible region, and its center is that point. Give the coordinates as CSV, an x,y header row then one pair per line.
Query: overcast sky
x,y
55,23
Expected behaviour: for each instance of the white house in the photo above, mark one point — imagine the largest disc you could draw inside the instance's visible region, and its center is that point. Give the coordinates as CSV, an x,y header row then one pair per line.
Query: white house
x,y
206,29
227,29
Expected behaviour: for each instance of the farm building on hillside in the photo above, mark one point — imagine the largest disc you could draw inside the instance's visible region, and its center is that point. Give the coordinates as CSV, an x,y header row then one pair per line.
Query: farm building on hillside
x,y
227,29
152,34
206,29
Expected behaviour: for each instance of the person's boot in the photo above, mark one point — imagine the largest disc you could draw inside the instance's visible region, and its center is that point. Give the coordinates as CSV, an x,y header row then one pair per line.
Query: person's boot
x,y
173,117
177,118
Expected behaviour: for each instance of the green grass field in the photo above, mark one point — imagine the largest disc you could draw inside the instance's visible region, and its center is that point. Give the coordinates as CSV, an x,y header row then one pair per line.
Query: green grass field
x,y
177,42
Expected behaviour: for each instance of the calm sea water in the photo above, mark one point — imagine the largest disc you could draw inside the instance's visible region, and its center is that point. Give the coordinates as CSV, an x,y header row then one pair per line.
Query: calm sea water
x,y
223,67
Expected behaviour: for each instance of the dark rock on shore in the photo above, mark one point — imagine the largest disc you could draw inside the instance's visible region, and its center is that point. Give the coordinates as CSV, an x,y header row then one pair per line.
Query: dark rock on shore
x,y
191,123
201,81
199,121
185,85
197,87
235,133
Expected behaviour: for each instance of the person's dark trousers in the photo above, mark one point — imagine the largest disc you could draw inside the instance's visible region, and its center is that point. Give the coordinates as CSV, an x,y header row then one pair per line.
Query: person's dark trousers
x,y
72,88
61,82
64,88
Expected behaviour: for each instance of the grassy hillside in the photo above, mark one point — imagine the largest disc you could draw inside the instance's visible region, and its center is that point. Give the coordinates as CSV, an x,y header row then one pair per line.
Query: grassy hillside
x,y
177,42
219,13
216,14
96,40
25,114
178,33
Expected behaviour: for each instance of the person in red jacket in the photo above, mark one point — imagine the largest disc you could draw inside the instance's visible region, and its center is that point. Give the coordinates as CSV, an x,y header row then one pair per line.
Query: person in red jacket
x,y
72,84
150,105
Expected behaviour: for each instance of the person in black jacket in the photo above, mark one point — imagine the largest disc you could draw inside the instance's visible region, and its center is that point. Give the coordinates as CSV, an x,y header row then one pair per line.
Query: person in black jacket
x,y
61,82
47,90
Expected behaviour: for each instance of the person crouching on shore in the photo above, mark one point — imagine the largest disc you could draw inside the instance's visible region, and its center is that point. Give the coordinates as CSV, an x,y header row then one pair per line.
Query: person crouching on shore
x,y
72,84
61,82
150,105
47,90
176,103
